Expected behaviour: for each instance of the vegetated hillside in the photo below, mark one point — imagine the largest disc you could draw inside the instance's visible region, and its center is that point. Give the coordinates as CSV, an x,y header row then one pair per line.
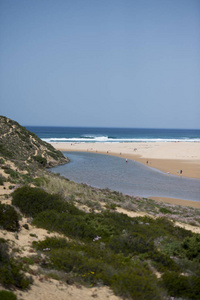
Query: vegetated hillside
x,y
55,233
20,145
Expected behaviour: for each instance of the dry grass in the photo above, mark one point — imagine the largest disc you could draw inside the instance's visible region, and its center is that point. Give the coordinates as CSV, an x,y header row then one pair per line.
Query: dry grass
x,y
95,199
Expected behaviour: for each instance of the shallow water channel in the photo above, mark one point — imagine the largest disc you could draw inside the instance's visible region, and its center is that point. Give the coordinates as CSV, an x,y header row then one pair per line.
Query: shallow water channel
x,y
132,178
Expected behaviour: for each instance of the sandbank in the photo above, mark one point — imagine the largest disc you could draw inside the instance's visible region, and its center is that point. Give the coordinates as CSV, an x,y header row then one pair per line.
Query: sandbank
x,y
169,157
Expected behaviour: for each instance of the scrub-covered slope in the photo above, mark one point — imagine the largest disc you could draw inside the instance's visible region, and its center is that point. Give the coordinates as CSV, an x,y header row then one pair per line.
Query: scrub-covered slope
x,y
20,145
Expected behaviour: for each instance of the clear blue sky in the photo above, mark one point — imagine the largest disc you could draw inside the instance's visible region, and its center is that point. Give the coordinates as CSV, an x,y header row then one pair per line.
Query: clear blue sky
x,y
115,63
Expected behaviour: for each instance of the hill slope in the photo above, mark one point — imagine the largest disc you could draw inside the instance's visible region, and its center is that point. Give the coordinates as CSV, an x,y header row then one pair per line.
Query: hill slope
x,y
71,241
20,145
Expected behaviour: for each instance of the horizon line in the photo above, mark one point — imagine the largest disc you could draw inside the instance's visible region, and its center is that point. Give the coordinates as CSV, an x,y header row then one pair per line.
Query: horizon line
x,y
111,127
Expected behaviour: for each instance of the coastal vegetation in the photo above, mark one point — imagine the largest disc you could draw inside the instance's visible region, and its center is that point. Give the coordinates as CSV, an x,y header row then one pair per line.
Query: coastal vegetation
x,y
25,148
94,237
114,249
11,271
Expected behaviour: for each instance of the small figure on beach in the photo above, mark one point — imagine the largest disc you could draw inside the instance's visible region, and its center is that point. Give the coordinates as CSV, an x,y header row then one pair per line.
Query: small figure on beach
x,y
126,160
181,171
147,161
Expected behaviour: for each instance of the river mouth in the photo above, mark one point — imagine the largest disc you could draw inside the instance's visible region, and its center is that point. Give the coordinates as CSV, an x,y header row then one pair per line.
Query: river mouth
x,y
132,178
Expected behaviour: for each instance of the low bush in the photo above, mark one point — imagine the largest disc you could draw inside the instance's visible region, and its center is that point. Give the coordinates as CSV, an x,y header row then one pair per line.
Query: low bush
x,y
80,226
136,284
109,247
13,174
10,270
92,264
9,218
39,181
6,295
135,244
32,201
52,243
2,179
191,246
4,152
164,210
163,262
40,160
2,161
181,286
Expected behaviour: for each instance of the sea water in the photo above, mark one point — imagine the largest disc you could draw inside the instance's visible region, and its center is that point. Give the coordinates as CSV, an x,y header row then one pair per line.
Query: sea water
x,y
112,172
92,134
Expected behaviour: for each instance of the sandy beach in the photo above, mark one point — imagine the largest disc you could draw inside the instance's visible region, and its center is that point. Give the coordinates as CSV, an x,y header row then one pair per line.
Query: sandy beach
x,y
169,157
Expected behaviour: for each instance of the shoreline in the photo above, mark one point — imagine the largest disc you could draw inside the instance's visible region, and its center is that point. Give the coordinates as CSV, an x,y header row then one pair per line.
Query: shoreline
x,y
170,157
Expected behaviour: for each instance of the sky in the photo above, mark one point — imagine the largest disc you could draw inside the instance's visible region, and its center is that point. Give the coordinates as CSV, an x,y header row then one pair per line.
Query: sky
x,y
101,63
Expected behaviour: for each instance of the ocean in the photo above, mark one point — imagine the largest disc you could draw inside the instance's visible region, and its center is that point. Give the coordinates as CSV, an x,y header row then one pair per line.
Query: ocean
x,y
104,171
92,134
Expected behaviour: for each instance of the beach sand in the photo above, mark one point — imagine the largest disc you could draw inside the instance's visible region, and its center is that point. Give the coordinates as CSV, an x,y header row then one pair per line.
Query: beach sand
x,y
169,157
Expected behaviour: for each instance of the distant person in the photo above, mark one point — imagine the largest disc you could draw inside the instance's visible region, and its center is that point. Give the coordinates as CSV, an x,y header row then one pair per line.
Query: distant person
x,y
126,160
181,172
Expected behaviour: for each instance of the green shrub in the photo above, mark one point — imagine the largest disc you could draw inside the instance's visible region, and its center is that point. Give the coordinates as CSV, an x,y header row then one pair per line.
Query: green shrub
x,y
5,295
164,210
111,206
52,243
79,225
11,275
32,201
53,155
4,152
92,264
173,248
3,251
135,284
2,179
13,174
40,160
191,246
64,223
2,161
181,286
39,181
9,219
134,244
26,178
10,271
163,262
118,258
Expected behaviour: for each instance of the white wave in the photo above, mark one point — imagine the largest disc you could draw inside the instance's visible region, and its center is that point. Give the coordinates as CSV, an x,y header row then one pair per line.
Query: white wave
x,y
105,139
